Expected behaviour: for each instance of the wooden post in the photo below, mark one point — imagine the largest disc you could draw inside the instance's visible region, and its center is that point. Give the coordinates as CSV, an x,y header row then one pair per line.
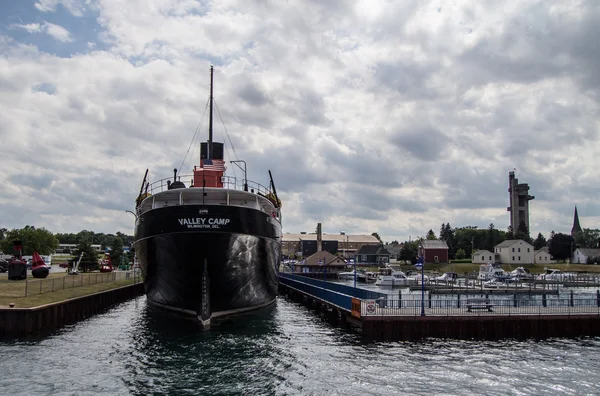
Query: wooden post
x,y
26,282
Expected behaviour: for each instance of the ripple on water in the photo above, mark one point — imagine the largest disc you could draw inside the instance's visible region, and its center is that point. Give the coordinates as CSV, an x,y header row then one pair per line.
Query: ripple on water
x,y
281,350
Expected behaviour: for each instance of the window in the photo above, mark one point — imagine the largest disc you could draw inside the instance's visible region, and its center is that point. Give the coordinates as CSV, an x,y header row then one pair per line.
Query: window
x,y
490,258
513,258
513,250
364,257
519,258
483,258
527,250
519,250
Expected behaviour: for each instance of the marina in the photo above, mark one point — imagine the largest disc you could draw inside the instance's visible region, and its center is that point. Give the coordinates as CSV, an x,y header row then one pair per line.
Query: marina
x,y
385,315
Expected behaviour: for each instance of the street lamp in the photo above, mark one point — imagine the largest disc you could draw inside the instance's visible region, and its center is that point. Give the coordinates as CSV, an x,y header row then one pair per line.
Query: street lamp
x,y
421,265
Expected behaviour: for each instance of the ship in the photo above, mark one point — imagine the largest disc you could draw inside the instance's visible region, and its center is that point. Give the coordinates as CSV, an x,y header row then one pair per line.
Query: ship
x,y
208,244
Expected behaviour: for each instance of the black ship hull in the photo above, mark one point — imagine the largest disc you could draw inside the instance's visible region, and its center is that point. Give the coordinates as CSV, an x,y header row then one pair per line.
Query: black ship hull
x,y
207,260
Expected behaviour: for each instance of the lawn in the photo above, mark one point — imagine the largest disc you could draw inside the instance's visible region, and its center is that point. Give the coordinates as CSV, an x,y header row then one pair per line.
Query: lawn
x,y
61,295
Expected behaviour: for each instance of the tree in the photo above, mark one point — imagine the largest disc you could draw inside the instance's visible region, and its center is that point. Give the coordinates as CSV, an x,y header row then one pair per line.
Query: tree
x,y
116,251
560,246
431,235
588,238
89,261
539,242
34,239
460,254
409,251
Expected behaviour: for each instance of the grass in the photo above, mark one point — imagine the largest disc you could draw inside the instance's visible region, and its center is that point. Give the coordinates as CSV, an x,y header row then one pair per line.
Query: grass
x,y
61,295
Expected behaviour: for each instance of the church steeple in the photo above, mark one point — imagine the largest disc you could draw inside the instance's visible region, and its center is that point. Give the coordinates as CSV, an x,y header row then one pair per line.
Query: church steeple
x,y
576,227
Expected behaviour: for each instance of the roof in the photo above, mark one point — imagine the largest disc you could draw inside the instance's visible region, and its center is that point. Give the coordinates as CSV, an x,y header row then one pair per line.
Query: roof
x,y
319,257
360,238
589,252
373,250
483,252
543,249
434,244
510,242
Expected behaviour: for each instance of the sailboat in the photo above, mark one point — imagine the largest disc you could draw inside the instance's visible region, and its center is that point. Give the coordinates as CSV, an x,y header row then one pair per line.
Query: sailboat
x,y
210,247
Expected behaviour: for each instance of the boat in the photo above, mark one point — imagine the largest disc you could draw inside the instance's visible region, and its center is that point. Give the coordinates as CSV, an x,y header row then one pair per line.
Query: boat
x,y
349,274
490,271
39,269
210,247
388,276
366,277
520,274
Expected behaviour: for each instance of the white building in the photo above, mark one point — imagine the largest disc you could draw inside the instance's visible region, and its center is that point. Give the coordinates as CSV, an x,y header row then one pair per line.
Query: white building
x,y
581,255
483,257
543,256
514,251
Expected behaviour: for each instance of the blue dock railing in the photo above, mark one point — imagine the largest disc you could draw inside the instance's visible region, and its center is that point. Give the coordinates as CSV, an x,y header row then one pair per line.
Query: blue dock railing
x,y
333,293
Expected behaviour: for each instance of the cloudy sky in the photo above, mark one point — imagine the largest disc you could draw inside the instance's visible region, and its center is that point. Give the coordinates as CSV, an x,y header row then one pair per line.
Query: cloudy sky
x,y
386,116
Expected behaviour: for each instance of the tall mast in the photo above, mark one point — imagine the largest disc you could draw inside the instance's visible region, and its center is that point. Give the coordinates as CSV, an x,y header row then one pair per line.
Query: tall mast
x,y
210,118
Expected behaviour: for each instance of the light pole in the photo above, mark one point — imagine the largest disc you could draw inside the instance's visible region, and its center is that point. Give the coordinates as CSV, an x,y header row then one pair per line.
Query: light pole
x,y
421,264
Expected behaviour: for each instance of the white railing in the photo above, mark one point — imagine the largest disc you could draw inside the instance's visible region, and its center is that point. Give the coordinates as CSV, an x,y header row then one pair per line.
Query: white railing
x,y
228,182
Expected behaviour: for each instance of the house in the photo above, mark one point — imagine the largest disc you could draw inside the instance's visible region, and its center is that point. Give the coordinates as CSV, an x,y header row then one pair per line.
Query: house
x,y
542,256
581,255
320,262
394,249
372,254
483,257
435,251
345,245
514,251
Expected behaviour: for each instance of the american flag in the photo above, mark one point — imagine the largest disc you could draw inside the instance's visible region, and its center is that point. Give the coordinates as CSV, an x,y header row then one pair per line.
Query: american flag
x,y
213,165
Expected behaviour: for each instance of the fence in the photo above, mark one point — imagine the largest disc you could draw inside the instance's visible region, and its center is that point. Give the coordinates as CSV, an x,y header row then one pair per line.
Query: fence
x,y
482,306
34,286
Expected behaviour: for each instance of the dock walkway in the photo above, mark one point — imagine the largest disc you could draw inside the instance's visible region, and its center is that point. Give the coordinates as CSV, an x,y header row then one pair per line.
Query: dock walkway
x,y
382,318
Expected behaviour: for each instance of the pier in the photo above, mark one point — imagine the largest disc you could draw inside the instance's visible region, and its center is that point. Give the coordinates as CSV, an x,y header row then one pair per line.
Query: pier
x,y
380,317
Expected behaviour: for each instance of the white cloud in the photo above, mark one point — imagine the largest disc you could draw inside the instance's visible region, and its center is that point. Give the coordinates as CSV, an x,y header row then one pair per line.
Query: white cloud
x,y
391,118
75,7
56,31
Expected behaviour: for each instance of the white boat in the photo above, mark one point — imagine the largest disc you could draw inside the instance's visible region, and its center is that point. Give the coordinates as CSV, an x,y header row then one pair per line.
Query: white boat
x,y
390,277
556,275
366,277
490,271
446,277
348,275
520,274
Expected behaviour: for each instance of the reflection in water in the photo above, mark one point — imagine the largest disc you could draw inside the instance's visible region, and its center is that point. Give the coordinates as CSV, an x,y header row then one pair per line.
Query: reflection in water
x,y
281,350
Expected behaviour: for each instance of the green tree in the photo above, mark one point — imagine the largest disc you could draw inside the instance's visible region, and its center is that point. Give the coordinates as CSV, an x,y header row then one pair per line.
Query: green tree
x,y
409,251
431,235
588,238
34,239
116,251
89,261
539,242
460,254
561,246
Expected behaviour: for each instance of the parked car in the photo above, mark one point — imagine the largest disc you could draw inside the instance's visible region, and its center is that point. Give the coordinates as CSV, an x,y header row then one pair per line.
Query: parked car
x,y
3,265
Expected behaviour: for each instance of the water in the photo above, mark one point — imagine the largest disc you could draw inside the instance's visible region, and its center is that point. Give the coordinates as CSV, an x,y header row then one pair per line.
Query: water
x,y
282,350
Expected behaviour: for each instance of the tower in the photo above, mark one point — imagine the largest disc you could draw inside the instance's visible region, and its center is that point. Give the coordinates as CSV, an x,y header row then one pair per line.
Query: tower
x,y
519,202
576,226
